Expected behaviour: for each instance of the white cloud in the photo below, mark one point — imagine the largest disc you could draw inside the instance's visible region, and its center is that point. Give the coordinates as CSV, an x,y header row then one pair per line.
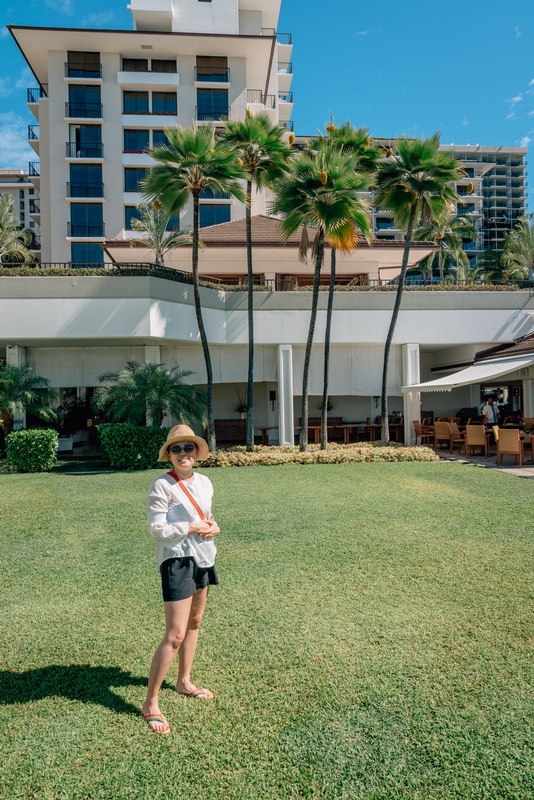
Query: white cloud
x,y
515,100
511,115
97,20
5,87
15,151
525,141
530,114
25,76
362,33
531,82
64,6
465,121
517,32
4,33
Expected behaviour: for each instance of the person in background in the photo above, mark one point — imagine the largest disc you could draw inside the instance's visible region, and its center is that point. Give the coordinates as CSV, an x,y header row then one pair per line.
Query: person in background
x,y
490,412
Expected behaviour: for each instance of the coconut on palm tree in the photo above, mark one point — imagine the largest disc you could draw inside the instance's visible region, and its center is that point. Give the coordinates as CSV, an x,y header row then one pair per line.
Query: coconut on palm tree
x,y
414,186
264,154
322,191
192,161
518,255
356,143
447,234
23,391
154,223
145,392
15,240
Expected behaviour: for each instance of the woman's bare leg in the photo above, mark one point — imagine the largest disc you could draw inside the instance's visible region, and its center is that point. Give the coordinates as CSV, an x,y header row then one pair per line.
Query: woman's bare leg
x,y
189,645
177,615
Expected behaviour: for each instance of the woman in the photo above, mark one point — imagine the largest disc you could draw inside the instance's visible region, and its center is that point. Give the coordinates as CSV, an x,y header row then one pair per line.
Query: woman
x,y
180,520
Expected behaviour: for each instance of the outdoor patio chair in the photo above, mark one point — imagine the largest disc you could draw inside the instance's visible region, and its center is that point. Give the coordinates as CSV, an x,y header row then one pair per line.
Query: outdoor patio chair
x,y
455,436
427,422
510,443
442,433
420,433
528,423
442,419
475,436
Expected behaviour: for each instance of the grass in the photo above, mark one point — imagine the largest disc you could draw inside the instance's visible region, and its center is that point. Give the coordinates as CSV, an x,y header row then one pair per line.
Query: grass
x,y
372,638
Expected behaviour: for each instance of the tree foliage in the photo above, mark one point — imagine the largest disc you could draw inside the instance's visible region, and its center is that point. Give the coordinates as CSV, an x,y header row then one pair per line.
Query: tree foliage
x,y
518,255
153,222
21,390
15,240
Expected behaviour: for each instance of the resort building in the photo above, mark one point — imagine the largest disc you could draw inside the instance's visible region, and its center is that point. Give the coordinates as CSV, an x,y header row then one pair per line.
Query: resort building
x,y
26,203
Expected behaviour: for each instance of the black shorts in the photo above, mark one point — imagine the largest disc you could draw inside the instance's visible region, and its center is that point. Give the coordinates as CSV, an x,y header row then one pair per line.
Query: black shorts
x,y
181,578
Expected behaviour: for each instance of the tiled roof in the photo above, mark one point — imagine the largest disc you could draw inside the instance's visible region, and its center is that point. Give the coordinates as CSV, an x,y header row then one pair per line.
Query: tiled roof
x,y
521,347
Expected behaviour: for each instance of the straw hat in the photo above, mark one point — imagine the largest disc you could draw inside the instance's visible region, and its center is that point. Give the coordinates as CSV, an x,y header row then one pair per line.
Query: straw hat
x,y
183,433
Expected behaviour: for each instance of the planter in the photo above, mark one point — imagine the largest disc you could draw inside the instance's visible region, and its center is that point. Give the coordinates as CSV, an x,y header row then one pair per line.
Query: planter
x,y
65,444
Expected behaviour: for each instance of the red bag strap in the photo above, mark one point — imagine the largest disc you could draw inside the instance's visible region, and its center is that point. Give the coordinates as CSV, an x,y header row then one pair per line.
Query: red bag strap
x,y
188,494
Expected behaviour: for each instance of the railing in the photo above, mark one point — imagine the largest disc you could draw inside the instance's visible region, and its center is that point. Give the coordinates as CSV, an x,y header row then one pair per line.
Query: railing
x,y
35,208
286,98
212,74
85,190
268,31
146,113
84,110
385,224
34,95
76,150
34,169
33,132
285,68
256,96
290,126
284,38
35,243
211,115
82,229
83,69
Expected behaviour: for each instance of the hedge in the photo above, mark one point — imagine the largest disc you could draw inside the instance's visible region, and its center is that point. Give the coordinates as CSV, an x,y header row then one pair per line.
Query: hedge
x,y
336,454
127,446
32,450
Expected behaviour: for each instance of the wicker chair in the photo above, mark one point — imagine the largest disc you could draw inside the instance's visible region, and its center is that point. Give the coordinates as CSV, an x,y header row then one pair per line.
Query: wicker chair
x,y
476,436
510,443
420,433
456,436
442,433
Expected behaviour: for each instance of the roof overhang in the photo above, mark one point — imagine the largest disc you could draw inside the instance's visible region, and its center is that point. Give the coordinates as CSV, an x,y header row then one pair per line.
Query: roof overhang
x,y
478,373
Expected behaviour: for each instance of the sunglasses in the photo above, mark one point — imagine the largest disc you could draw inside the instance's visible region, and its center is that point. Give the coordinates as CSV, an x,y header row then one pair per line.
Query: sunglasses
x,y
187,448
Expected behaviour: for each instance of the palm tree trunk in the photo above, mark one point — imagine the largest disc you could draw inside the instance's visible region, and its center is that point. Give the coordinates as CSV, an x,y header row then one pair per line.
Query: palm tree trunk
x,y
250,380
303,439
392,324
324,412
212,444
440,262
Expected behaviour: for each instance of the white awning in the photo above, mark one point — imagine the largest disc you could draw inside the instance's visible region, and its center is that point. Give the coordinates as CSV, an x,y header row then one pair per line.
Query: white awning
x,y
478,373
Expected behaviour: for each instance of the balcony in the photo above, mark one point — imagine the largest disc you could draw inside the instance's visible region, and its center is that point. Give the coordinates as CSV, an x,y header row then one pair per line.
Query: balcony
x,y
385,224
35,243
85,190
83,230
34,169
33,132
33,97
83,110
263,102
141,80
83,69
212,75
211,114
35,208
285,76
89,150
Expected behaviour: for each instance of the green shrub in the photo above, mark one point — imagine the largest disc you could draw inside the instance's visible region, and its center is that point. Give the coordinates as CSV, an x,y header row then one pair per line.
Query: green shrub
x,y
33,450
131,446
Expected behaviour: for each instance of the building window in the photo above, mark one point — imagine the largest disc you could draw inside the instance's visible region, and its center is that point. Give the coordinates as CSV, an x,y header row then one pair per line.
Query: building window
x,y
83,65
173,223
85,181
132,178
86,253
212,104
22,216
135,64
86,219
130,213
31,191
158,137
85,141
21,194
32,224
136,141
163,65
213,215
209,194
84,101
21,205
135,103
212,68
164,103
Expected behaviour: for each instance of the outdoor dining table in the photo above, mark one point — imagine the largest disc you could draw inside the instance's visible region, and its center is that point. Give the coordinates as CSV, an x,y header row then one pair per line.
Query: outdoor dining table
x,y
396,428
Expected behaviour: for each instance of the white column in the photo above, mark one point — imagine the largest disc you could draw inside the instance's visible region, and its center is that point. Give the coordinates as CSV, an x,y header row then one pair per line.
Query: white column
x,y
528,398
272,411
286,424
412,400
15,357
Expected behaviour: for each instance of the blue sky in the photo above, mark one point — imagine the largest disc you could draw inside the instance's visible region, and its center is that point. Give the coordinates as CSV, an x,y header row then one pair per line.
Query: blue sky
x,y
465,68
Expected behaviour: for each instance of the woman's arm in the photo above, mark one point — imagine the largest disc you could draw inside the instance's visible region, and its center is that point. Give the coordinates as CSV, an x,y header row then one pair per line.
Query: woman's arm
x,y
159,526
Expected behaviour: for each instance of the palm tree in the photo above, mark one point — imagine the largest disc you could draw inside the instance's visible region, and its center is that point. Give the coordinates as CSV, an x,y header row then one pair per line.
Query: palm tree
x,y
322,191
146,391
355,142
192,161
447,234
414,186
14,239
21,390
518,254
154,223
264,154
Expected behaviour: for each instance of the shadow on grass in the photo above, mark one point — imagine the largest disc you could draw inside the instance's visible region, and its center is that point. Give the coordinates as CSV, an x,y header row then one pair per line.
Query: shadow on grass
x,y
76,682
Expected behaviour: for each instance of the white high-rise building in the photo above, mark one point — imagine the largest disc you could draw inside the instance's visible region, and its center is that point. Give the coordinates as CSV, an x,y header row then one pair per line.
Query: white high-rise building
x,y
106,96
25,196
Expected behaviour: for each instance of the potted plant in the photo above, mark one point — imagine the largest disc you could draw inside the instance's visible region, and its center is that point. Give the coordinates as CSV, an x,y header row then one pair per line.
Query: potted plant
x,y
241,405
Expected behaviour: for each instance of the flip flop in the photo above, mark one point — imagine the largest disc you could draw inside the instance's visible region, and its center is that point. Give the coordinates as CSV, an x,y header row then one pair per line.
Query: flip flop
x,y
156,718
196,692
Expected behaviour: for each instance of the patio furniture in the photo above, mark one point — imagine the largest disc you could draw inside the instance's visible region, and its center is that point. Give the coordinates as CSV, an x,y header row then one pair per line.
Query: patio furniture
x,y
528,423
264,433
509,442
456,437
421,433
476,436
442,433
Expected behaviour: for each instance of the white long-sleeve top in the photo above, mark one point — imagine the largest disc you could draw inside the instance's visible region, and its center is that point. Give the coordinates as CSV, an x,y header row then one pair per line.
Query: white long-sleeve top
x,y
169,513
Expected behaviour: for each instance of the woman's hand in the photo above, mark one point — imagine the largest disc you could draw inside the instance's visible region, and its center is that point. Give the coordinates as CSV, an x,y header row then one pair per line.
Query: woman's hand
x,y
212,531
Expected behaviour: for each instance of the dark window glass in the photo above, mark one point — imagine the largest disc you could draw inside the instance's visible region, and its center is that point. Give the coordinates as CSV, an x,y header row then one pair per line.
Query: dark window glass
x,y
21,205
21,194
135,102
86,213
132,178
158,137
130,213
135,64
213,215
22,216
83,65
164,102
86,253
85,141
135,141
31,191
84,101
173,223
163,65
212,104
212,68
209,194
86,180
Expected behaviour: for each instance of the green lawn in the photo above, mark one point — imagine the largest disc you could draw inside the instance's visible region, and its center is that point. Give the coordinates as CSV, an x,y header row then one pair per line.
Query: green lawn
x,y
372,638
